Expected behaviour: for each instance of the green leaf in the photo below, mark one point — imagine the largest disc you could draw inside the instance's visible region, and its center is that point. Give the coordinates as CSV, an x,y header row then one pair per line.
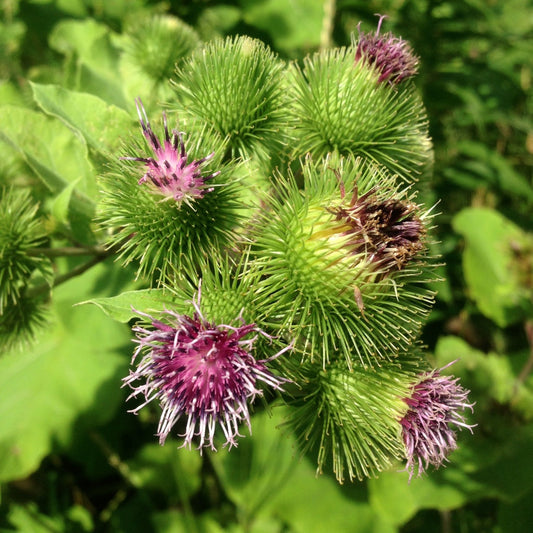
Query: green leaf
x,y
493,377
60,205
69,379
121,307
504,471
397,501
492,264
265,478
485,166
97,59
492,373
165,469
55,154
516,517
292,25
103,126
28,518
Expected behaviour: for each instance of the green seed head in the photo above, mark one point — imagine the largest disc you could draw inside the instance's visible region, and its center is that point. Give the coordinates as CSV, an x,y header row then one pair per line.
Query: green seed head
x,y
157,44
337,105
20,231
351,420
160,233
235,86
343,272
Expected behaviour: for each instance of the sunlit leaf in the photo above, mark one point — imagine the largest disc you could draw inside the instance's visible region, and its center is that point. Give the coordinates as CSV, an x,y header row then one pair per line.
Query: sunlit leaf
x,y
495,263
167,469
104,127
90,42
292,25
265,476
72,371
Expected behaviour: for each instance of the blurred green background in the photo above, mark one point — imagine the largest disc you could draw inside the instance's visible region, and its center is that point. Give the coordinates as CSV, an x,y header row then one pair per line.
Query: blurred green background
x,y
73,460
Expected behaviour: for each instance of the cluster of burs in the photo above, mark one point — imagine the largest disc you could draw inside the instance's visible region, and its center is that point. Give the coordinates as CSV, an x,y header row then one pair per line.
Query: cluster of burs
x,y
276,206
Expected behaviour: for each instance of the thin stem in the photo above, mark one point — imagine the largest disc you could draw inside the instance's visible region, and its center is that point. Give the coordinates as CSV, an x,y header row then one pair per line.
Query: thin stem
x,y
179,476
76,271
326,39
526,370
67,251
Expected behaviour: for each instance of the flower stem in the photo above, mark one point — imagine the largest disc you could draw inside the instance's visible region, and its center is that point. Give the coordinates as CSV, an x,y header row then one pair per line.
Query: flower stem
x,y
526,370
100,252
68,251
327,24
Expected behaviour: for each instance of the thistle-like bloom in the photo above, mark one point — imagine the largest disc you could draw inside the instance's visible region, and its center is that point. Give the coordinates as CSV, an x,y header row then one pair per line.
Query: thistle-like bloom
x,y
435,403
169,173
201,371
392,56
389,232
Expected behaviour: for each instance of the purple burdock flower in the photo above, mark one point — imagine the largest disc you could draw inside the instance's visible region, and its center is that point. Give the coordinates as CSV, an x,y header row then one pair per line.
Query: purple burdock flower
x,y
391,56
388,232
435,403
200,371
168,173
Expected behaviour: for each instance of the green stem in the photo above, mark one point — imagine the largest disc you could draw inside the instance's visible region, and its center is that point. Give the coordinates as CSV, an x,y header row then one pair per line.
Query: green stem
x,y
76,271
69,251
326,34
526,370
179,476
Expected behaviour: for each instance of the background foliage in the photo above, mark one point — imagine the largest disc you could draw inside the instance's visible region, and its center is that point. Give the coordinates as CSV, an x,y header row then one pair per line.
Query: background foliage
x,y
72,459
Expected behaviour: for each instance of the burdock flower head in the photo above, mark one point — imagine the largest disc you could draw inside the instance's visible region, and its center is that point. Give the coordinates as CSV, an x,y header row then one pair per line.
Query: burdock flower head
x,y
201,371
168,173
435,403
391,56
388,232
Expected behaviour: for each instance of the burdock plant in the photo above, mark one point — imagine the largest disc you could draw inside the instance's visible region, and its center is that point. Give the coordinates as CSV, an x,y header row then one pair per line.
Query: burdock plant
x,y
318,296
171,201
22,267
435,406
236,86
341,102
391,56
272,217
343,258
202,371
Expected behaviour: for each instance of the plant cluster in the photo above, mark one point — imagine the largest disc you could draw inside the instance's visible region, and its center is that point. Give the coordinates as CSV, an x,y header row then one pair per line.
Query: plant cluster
x,y
263,231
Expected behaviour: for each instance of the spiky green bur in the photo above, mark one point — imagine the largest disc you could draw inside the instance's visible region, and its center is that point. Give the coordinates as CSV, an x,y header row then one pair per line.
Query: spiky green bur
x,y
235,86
21,231
229,288
351,419
339,105
161,235
343,261
155,45
20,321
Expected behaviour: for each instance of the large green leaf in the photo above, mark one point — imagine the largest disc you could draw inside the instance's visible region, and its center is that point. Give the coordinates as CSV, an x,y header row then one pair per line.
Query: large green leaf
x,y
69,379
52,150
396,500
494,456
175,472
103,126
495,256
58,157
265,477
291,25
90,45
27,518
493,376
